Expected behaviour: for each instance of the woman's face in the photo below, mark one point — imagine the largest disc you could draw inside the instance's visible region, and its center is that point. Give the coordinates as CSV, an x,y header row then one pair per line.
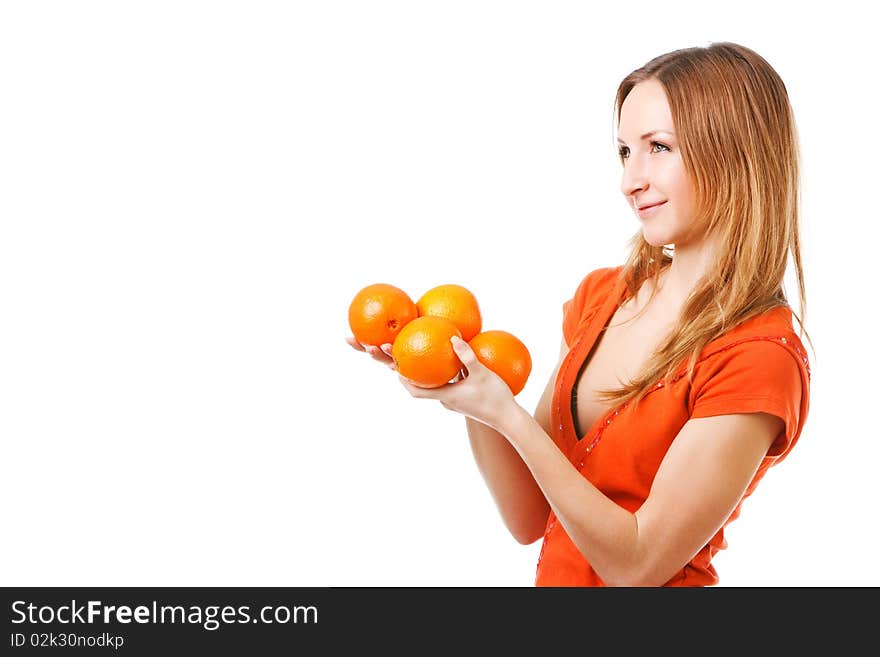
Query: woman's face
x,y
653,171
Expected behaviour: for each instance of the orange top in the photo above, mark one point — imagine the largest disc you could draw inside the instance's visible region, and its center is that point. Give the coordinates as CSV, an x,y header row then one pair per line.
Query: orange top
x,y
759,366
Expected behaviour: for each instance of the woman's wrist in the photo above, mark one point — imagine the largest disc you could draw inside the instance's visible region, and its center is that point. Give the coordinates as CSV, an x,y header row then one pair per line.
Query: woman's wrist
x,y
513,421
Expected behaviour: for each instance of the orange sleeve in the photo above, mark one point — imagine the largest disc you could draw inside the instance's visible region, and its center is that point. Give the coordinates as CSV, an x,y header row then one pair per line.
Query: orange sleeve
x,y
754,376
587,296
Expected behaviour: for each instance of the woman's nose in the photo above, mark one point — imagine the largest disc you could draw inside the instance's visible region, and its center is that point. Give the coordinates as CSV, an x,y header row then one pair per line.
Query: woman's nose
x,y
634,179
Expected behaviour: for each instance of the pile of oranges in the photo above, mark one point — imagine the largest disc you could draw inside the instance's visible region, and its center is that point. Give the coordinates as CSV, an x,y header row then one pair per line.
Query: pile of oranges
x,y
420,332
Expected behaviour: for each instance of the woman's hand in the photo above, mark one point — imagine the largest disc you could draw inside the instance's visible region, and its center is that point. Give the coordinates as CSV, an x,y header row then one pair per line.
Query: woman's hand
x,y
478,392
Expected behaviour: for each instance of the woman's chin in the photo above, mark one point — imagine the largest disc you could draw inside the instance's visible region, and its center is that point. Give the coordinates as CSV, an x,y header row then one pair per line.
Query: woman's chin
x,y
656,240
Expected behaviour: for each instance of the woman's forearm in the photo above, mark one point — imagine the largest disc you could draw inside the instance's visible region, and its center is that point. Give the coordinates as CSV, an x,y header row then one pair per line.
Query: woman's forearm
x,y
513,488
605,533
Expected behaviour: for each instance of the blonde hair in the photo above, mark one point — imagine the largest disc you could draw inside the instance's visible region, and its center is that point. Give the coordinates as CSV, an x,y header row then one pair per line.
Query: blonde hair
x,y
739,145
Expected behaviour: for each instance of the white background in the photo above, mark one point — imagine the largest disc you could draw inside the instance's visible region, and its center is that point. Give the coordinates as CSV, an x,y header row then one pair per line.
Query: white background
x,y
192,192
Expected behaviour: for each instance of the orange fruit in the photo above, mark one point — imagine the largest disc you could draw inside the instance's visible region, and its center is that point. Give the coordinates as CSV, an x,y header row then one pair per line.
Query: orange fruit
x,y
455,303
504,354
423,353
378,312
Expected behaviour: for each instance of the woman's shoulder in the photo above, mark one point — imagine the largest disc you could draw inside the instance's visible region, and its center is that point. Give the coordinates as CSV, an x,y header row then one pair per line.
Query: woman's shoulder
x,y
754,336
774,323
598,280
759,366
589,295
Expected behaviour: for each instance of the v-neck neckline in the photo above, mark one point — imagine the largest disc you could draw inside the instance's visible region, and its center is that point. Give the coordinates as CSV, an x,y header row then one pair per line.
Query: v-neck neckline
x,y
576,361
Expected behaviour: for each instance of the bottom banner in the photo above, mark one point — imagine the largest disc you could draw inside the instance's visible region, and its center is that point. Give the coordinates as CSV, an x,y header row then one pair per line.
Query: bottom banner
x,y
334,621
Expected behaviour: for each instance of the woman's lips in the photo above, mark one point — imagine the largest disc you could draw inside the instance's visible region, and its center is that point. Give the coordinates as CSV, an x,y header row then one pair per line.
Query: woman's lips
x,y
650,209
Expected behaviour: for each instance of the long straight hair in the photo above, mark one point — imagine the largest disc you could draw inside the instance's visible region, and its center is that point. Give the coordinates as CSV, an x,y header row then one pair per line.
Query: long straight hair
x,y
739,146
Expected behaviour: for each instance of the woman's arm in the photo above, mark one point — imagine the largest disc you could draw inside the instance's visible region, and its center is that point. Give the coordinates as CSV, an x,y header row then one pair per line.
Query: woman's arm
x,y
700,481
518,497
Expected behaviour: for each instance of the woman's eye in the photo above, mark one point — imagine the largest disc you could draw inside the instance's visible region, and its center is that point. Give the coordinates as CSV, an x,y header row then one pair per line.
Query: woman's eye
x,y
623,149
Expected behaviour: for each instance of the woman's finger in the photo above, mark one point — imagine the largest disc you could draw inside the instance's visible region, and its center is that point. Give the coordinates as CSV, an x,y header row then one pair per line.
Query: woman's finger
x,y
464,352
354,343
379,355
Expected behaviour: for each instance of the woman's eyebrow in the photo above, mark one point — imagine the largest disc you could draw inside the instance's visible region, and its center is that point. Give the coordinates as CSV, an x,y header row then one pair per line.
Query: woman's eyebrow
x,y
648,134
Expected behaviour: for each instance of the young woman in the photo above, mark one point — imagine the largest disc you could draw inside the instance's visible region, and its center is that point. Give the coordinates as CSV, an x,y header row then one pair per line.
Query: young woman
x,y
680,379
